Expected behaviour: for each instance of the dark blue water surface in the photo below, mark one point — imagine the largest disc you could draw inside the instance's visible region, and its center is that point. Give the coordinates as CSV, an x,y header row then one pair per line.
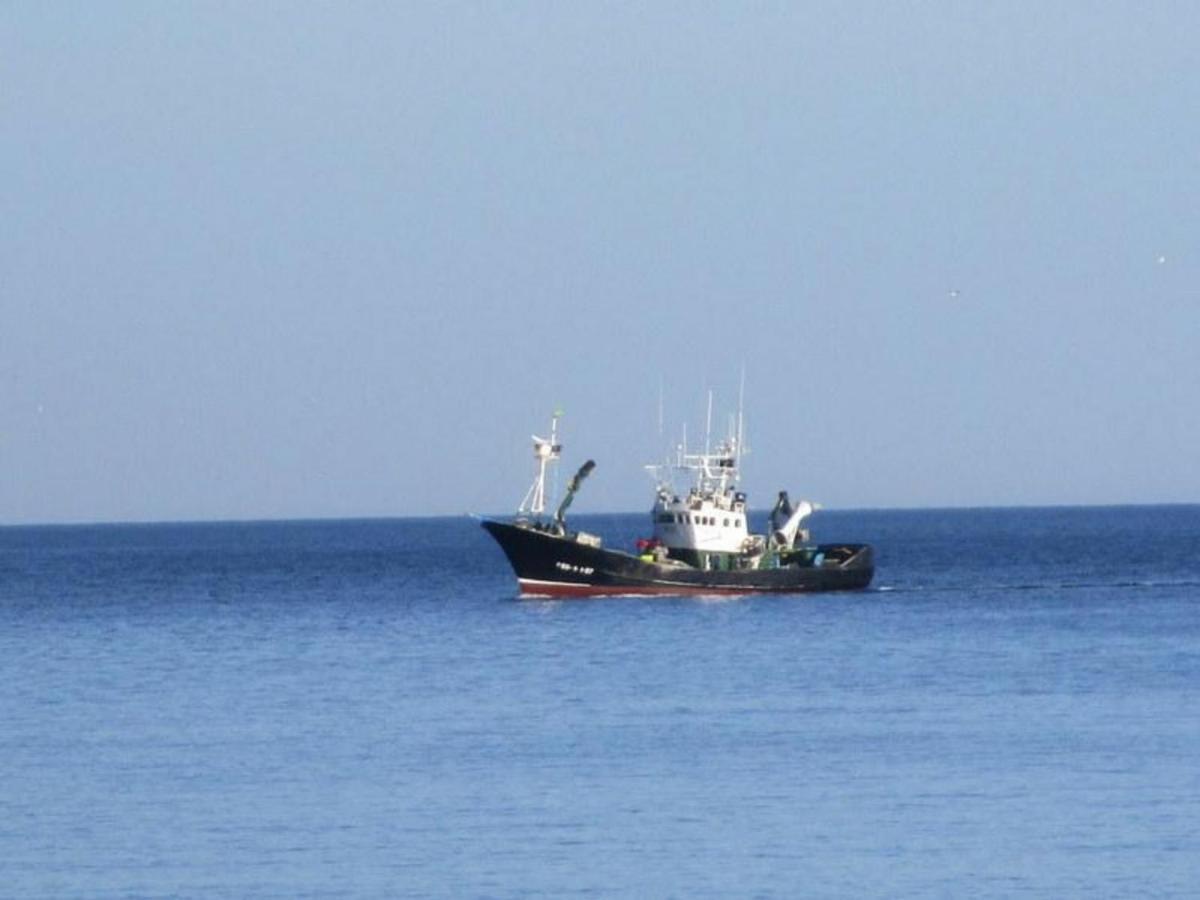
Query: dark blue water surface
x,y
362,708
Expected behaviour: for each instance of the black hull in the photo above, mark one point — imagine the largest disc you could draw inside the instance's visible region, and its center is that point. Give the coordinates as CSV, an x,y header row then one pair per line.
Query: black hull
x,y
547,565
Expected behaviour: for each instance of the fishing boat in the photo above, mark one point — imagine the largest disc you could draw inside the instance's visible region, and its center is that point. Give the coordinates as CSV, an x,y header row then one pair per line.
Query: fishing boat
x,y
700,541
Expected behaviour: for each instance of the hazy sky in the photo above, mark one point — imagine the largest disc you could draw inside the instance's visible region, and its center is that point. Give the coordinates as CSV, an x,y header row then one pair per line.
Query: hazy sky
x,y
285,259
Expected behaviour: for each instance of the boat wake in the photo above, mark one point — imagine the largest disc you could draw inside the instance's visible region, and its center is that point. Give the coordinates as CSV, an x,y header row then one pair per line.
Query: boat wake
x,y
1157,584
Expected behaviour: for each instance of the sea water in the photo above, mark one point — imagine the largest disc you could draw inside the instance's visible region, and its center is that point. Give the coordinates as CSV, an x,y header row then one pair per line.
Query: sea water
x,y
363,708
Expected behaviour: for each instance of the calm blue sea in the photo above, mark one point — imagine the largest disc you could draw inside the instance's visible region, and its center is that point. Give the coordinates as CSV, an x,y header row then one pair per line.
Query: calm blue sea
x,y
362,709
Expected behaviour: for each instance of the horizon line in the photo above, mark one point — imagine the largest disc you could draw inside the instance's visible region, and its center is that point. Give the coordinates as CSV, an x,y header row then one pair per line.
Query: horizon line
x,y
268,520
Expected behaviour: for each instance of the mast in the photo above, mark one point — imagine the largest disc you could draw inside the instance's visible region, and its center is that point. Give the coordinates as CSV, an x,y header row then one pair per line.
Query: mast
x,y
545,451
741,406
708,426
714,470
660,407
703,474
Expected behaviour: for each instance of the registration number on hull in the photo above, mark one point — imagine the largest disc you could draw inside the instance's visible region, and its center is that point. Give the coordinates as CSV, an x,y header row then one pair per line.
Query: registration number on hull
x,y
571,567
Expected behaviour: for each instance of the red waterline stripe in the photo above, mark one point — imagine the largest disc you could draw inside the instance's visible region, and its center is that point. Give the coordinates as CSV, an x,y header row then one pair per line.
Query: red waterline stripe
x,y
566,589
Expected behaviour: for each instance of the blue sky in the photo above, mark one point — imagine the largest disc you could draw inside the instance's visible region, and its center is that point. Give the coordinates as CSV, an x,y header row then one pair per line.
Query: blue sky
x,y
279,260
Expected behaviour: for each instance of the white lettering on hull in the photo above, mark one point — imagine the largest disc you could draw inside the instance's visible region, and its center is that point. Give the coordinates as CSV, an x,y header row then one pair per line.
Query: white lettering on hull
x,y
571,567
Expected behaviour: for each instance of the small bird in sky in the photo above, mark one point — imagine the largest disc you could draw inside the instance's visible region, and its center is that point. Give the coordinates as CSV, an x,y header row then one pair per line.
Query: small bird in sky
x,y
955,293
1161,259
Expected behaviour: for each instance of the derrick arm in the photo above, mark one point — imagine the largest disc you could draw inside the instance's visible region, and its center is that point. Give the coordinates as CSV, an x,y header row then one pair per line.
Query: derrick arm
x,y
572,487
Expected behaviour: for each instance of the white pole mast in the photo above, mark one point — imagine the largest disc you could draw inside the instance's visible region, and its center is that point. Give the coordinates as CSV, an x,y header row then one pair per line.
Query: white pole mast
x,y
708,426
660,408
703,474
556,449
741,404
545,452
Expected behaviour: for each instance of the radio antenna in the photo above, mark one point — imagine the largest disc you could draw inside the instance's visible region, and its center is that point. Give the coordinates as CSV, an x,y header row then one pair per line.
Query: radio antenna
x,y
741,405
